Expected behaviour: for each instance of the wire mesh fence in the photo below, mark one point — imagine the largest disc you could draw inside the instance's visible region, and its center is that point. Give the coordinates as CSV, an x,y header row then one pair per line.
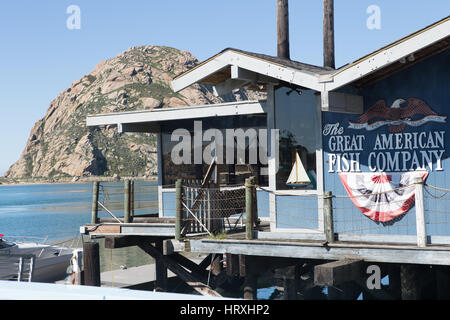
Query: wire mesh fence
x,y
211,209
112,199
374,213
437,210
387,213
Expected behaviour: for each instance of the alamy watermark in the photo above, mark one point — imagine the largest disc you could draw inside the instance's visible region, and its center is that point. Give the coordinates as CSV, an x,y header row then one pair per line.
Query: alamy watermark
x,y
73,22
374,20
237,143
374,280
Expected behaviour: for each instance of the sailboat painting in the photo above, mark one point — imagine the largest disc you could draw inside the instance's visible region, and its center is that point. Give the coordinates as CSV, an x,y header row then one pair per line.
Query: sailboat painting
x,y
299,176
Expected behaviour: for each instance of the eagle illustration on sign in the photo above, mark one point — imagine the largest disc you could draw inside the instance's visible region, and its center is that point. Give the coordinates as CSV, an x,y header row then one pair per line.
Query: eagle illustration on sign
x,y
415,114
384,195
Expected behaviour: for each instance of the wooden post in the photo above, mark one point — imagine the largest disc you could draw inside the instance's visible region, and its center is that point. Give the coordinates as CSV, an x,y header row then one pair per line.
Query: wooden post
x,y
255,206
178,209
290,282
411,283
249,207
328,34
283,29
232,264
420,214
328,216
394,288
95,193
160,269
442,274
132,200
126,202
91,264
251,280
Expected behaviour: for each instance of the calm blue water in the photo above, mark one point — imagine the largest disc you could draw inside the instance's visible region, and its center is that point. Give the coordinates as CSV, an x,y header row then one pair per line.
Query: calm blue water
x,y
58,210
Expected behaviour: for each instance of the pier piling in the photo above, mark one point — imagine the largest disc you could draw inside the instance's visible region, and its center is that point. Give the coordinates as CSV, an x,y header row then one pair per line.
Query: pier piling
x,y
251,279
91,264
161,270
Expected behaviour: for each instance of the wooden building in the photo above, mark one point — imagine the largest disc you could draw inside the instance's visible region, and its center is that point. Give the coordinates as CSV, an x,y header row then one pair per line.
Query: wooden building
x,y
369,139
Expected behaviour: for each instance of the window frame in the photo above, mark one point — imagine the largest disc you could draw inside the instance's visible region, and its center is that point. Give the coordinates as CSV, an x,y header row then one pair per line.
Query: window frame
x,y
319,151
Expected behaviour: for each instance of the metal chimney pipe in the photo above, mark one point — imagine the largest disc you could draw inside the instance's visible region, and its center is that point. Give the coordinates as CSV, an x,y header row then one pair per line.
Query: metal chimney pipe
x,y
283,29
328,34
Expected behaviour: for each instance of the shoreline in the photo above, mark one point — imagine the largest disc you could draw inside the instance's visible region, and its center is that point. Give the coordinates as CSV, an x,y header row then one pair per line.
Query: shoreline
x,y
71,181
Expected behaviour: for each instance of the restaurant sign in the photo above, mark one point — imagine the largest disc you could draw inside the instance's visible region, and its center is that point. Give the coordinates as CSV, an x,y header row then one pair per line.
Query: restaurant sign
x,y
390,158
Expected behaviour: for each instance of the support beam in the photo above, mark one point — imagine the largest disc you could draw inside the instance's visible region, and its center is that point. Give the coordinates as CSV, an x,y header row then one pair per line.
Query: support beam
x,y
251,279
239,73
410,282
173,266
232,264
291,282
123,242
337,272
345,291
194,268
228,86
160,270
442,274
394,288
206,262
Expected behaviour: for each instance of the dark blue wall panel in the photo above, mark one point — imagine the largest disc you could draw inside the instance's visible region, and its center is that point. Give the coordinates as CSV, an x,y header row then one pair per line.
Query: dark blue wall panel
x,y
427,80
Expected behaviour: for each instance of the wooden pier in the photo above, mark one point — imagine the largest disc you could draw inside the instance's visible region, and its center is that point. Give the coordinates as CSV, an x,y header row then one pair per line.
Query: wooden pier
x,y
253,251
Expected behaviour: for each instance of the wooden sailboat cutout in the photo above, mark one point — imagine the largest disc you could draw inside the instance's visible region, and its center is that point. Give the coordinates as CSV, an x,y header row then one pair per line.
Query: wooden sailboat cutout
x,y
298,175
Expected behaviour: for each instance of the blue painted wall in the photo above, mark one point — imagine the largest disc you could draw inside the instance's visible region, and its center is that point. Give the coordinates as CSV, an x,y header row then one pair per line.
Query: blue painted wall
x,y
297,212
427,80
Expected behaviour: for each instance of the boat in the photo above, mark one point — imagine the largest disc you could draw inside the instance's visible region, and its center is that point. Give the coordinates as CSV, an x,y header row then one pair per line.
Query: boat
x,y
298,176
33,262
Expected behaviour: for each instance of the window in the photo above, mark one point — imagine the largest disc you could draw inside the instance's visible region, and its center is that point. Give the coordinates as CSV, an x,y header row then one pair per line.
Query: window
x,y
227,174
296,118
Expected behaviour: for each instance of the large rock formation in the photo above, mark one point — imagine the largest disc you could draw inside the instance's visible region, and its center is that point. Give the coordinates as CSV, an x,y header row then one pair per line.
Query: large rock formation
x,y
60,145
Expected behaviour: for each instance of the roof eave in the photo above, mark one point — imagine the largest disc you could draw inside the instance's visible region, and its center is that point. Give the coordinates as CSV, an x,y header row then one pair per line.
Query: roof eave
x,y
250,63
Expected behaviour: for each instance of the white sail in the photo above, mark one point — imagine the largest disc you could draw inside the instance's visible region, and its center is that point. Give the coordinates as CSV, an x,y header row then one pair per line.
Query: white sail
x,y
298,173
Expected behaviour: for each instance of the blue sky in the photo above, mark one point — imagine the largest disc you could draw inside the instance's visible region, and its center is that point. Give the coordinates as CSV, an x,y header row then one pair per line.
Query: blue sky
x,y
40,56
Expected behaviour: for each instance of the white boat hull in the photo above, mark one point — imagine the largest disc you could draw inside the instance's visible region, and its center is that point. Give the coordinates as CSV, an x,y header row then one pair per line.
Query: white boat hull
x,y
50,262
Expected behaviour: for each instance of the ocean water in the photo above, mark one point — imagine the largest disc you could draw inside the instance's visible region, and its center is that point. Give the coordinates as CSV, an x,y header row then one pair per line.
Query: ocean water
x,y
53,213
57,211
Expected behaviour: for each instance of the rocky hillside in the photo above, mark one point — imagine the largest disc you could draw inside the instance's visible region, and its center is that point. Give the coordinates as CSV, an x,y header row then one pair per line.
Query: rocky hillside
x,y
60,145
